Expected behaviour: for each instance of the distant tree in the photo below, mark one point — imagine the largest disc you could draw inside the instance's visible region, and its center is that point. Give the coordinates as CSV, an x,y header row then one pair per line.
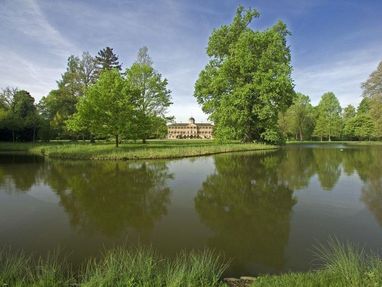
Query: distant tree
x,y
376,115
364,126
6,97
106,108
247,82
349,121
373,86
300,115
22,117
151,97
372,90
364,106
329,122
88,69
107,60
60,104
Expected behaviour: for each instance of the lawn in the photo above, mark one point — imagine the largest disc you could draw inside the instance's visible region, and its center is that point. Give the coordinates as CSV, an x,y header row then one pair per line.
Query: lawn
x,y
154,149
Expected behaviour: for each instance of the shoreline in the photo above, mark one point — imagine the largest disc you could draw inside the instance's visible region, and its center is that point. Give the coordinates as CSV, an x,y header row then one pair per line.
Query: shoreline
x,y
130,151
152,150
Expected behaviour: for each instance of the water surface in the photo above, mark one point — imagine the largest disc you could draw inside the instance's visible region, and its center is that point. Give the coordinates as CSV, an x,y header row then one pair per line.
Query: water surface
x,y
265,210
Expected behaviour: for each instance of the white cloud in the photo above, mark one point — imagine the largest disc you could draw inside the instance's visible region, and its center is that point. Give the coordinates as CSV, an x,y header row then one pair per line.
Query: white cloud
x,y
343,75
26,18
32,52
38,36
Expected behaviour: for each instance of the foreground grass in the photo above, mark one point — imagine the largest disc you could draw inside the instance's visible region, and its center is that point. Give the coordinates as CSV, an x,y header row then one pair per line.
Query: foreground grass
x,y
159,149
343,265
118,267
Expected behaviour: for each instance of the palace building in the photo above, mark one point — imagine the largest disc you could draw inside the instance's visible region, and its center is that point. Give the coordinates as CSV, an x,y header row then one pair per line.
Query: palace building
x,y
190,130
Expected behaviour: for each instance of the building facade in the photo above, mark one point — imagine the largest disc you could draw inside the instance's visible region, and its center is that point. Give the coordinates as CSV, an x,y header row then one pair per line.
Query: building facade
x,y
190,130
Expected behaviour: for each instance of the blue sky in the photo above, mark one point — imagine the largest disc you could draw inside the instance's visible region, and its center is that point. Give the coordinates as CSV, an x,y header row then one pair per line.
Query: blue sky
x,y
335,44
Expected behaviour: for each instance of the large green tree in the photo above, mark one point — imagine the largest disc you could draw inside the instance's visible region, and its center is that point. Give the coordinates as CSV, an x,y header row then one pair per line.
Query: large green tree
x,y
372,90
329,122
106,108
151,97
373,86
247,81
60,104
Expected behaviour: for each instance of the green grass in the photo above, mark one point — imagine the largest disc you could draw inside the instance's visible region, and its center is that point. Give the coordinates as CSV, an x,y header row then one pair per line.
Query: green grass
x,y
117,267
343,265
156,149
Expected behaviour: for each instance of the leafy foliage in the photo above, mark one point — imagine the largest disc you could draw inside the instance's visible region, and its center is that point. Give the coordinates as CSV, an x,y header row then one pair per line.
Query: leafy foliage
x,y
372,90
18,114
106,107
151,98
247,80
107,60
329,117
300,117
60,104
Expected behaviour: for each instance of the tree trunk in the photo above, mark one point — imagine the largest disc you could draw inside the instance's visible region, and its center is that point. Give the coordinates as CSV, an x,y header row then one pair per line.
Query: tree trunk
x,y
116,140
329,138
144,140
13,136
321,138
92,138
34,134
300,134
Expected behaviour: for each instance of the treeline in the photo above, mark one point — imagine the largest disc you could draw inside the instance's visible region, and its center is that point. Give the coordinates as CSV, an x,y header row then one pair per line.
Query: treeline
x,y
94,99
248,91
327,121
246,88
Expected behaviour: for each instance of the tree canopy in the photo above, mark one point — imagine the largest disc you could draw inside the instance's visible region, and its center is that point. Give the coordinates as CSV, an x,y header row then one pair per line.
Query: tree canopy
x,y
301,117
329,117
372,90
106,107
107,60
246,88
151,98
247,80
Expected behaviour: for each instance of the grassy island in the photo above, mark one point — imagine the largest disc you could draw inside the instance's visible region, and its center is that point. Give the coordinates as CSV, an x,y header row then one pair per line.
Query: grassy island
x,y
155,149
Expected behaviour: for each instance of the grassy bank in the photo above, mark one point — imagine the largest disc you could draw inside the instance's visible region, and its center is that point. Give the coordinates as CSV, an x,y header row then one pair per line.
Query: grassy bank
x,y
157,149
343,265
118,267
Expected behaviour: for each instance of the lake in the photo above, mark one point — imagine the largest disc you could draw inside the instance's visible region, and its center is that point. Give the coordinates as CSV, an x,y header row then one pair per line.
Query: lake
x,y
265,210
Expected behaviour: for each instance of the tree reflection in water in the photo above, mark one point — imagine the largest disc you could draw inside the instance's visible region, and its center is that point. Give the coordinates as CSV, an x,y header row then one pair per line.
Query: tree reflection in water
x,y
248,206
367,162
110,197
19,172
248,201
